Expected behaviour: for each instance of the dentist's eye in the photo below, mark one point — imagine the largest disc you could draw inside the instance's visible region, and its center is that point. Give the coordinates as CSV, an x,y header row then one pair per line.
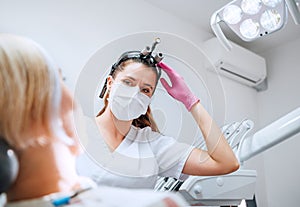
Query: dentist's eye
x,y
146,90
127,82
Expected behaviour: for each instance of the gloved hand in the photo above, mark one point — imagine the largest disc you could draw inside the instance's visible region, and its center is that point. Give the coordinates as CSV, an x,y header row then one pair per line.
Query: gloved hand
x,y
179,90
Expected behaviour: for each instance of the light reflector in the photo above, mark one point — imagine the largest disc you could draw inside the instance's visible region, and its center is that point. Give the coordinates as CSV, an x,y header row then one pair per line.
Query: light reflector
x,y
232,14
270,20
271,3
251,6
249,28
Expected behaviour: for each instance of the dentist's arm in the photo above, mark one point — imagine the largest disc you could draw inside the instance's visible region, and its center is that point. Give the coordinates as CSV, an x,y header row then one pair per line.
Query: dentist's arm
x,y
219,158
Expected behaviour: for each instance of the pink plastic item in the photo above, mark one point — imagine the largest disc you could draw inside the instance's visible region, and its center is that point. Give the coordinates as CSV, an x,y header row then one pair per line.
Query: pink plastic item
x,y
179,90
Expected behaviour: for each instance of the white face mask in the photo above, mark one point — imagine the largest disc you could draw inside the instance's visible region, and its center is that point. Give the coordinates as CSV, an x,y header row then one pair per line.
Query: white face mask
x,y
127,102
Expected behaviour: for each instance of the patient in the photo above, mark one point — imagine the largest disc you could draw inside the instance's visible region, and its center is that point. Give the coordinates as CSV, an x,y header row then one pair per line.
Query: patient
x,y
36,110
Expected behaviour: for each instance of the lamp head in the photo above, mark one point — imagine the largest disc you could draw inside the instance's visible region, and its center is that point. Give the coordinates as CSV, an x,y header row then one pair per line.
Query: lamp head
x,y
252,19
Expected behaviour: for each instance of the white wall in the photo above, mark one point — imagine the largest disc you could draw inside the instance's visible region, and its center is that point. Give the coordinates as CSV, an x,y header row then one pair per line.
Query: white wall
x,y
72,30
282,163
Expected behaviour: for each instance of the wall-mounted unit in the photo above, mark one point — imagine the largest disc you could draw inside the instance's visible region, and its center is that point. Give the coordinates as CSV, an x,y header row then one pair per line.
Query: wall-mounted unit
x,y
238,64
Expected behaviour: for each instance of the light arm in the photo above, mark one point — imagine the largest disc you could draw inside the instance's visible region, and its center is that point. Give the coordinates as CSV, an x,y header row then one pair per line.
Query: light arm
x,y
293,8
214,23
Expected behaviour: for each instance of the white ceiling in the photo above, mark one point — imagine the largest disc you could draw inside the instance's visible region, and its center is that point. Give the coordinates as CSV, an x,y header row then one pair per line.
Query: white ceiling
x,y
198,13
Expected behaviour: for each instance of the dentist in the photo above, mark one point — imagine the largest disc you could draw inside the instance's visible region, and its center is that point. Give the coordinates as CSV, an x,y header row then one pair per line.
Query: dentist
x,y
129,130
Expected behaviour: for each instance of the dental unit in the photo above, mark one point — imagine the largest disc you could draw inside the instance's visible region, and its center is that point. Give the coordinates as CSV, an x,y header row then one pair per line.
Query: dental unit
x,y
232,188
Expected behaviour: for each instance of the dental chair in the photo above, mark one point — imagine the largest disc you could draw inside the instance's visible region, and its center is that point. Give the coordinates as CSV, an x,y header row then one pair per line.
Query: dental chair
x,y
231,189
9,167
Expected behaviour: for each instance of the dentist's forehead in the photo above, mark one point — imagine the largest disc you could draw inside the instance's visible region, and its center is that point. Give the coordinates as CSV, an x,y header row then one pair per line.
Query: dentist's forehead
x,y
139,71
136,67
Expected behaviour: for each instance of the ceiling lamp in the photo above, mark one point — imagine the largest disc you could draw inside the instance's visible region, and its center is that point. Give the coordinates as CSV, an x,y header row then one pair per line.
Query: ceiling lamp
x,y
251,19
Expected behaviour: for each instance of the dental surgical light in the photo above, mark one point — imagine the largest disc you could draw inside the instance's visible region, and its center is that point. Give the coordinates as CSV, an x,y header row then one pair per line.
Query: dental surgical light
x,y
249,28
232,14
251,6
271,3
270,20
251,19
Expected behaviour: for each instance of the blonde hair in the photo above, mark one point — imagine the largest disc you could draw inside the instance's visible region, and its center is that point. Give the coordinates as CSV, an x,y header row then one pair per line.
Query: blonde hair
x,y
143,120
29,86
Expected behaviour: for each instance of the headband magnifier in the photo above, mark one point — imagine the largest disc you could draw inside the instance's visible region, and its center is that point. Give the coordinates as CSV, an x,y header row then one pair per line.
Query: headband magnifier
x,y
146,56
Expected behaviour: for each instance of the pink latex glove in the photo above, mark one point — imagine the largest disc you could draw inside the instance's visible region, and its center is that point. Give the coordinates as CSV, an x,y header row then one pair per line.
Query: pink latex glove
x,y
179,90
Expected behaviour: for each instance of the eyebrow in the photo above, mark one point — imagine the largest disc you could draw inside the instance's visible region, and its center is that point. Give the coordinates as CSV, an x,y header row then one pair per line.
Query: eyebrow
x,y
145,84
149,85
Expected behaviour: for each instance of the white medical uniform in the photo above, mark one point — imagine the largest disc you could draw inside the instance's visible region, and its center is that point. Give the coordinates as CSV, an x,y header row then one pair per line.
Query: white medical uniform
x,y
141,157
